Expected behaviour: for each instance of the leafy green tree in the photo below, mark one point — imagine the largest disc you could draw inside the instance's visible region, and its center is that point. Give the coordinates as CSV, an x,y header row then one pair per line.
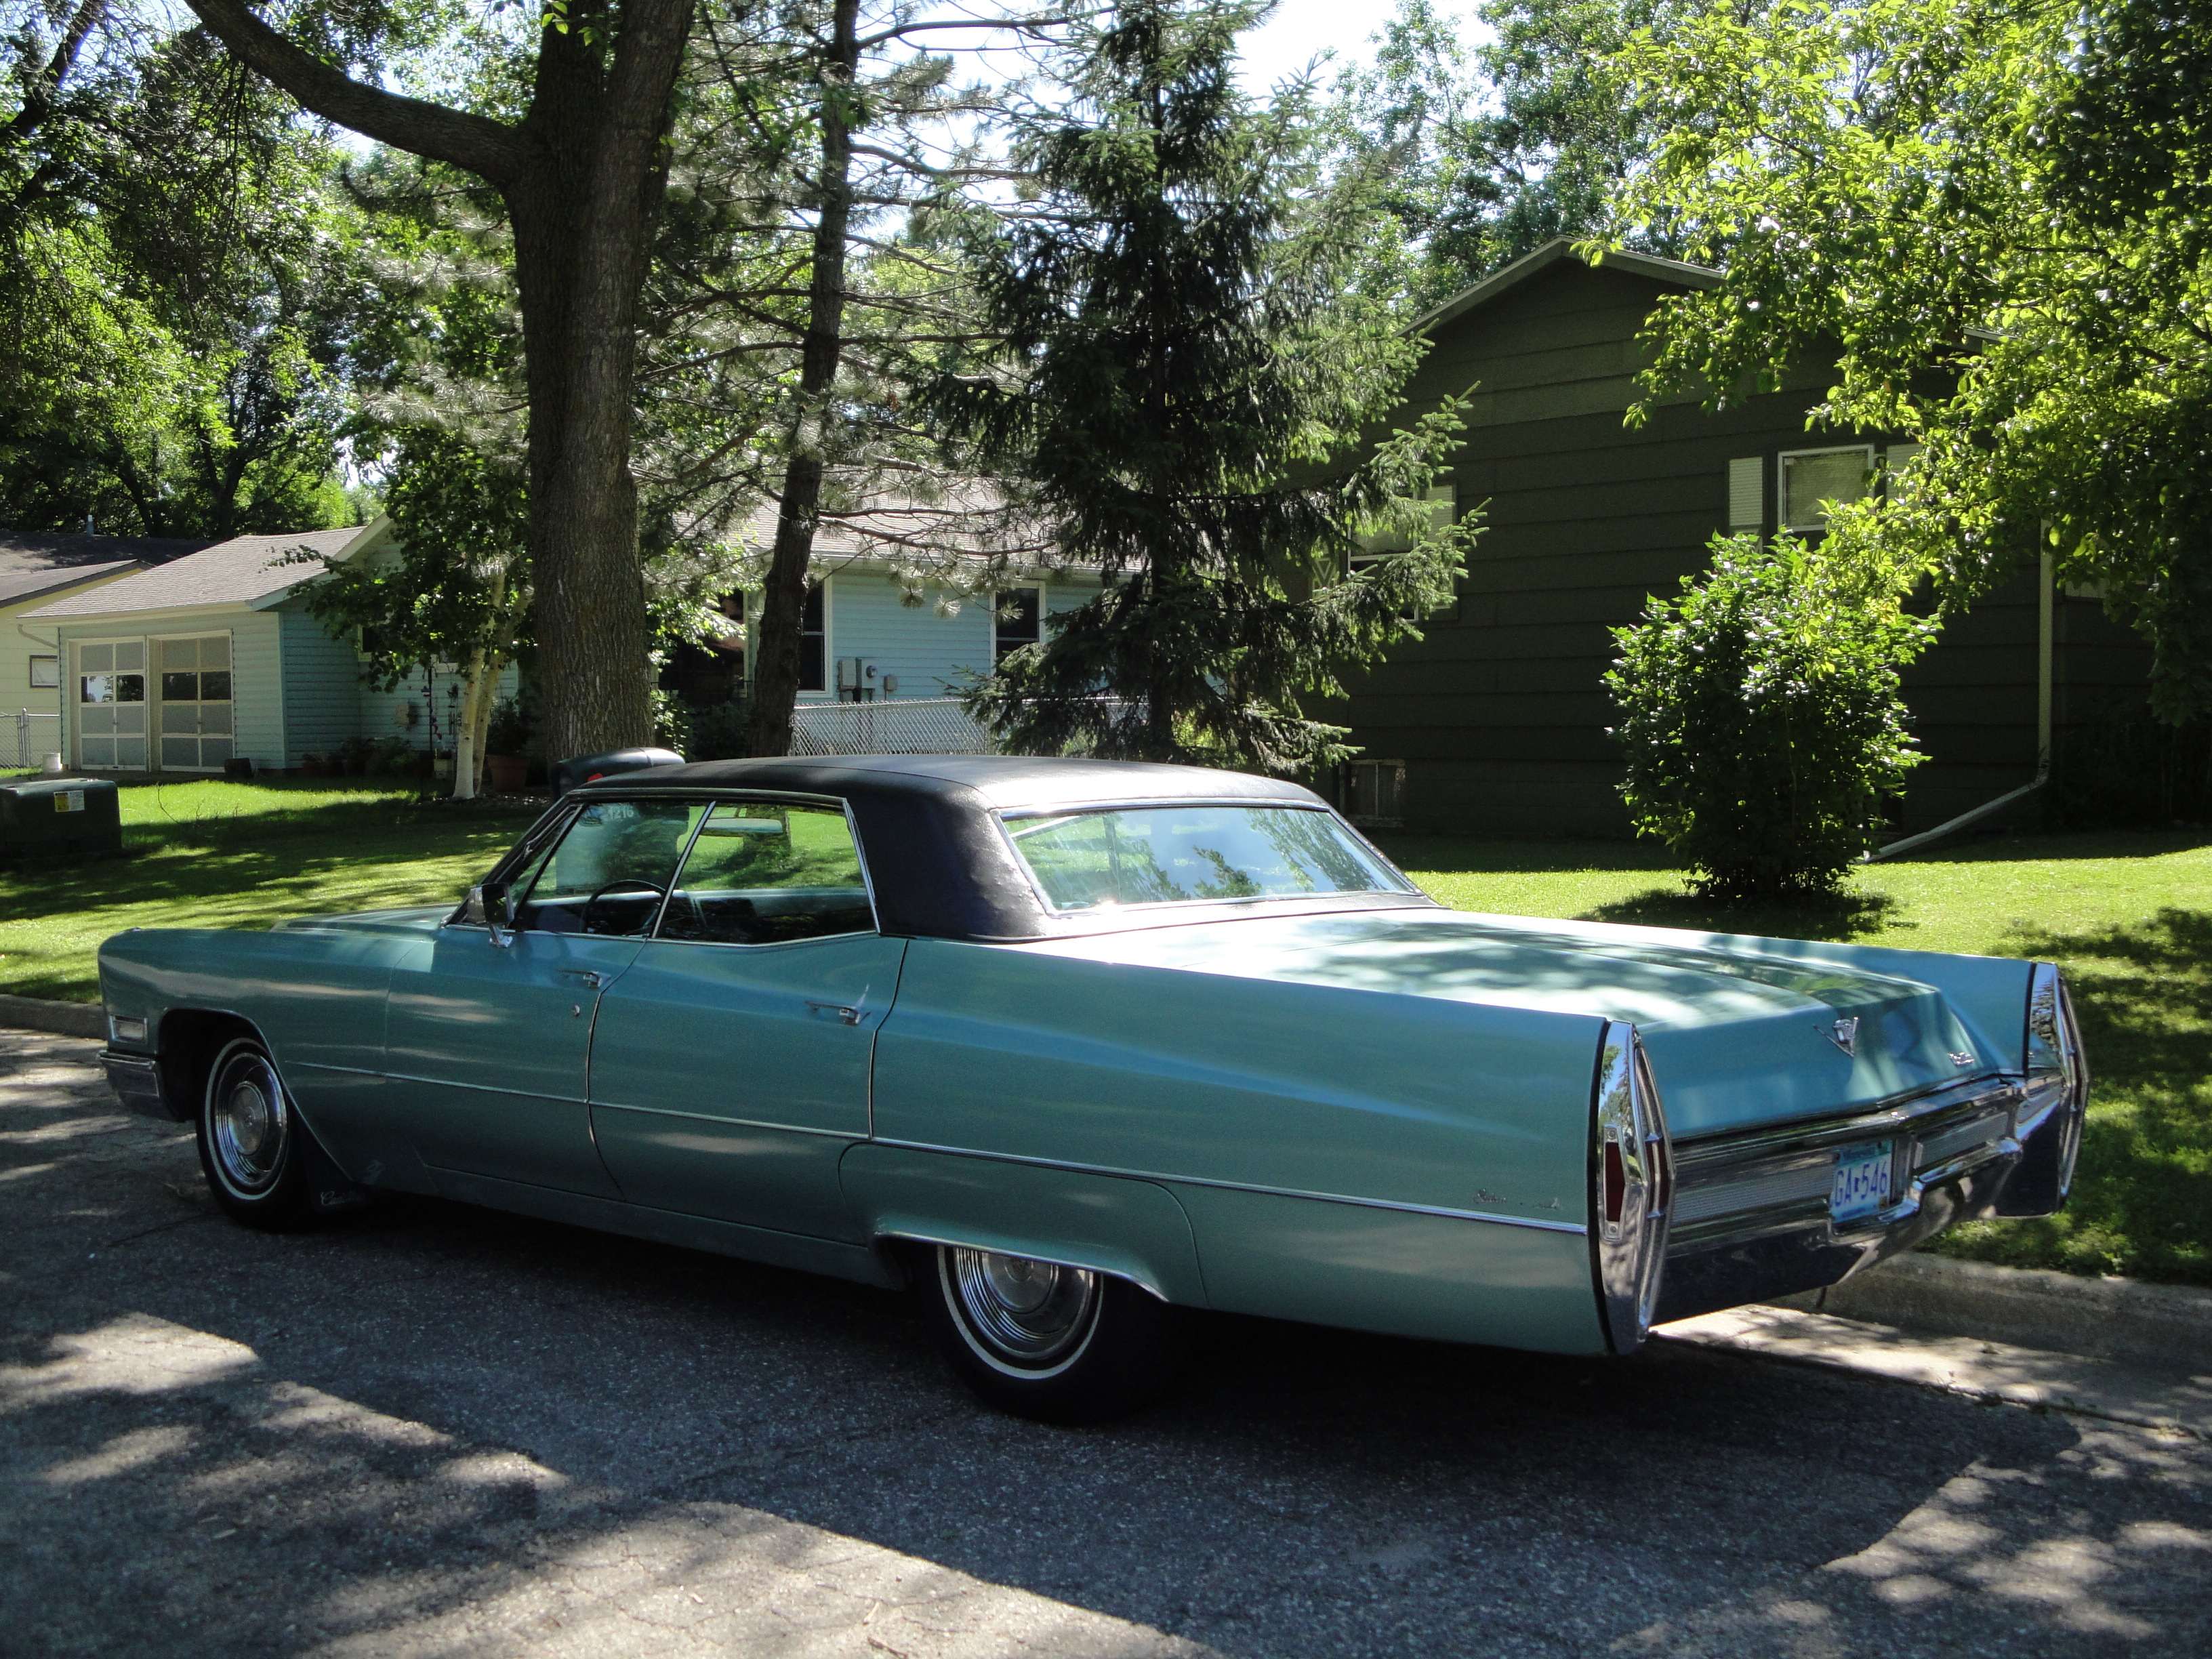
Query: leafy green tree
x,y
1762,722
174,286
1994,212
1490,146
1177,343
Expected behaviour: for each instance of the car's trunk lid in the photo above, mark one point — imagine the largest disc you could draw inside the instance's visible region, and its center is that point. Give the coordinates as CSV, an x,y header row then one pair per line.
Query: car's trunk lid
x,y
1736,1037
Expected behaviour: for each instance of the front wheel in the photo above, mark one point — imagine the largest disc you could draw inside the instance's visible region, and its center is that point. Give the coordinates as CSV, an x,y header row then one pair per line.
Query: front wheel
x,y
252,1145
1043,1341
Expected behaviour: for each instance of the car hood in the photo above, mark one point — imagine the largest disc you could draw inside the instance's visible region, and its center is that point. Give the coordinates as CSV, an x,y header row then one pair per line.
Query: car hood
x,y
1737,1035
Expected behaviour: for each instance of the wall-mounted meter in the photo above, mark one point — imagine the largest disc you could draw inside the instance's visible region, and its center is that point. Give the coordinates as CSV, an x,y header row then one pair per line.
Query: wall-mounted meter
x,y
858,679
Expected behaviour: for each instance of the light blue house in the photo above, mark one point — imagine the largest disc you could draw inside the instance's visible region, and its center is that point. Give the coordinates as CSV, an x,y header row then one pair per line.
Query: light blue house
x,y
183,667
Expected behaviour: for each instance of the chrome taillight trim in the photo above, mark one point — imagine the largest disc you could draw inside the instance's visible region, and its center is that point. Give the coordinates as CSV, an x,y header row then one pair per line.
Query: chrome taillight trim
x,y
1628,1226
2056,1067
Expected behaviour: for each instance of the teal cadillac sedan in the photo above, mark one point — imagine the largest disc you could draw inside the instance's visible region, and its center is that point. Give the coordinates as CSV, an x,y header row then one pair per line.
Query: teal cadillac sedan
x,y
1076,1050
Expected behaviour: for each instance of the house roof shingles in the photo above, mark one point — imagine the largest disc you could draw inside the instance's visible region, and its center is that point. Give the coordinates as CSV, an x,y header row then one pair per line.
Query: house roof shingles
x,y
237,571
31,562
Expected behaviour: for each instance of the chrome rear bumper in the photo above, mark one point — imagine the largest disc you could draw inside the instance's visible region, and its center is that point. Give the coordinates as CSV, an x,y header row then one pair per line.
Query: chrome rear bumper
x,y
1751,1219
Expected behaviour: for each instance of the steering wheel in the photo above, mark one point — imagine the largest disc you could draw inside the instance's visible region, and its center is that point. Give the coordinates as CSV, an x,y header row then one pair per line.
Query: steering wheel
x,y
584,916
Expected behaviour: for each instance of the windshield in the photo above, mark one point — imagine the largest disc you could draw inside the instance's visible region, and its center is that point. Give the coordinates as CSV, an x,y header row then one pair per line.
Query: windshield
x,y
1175,853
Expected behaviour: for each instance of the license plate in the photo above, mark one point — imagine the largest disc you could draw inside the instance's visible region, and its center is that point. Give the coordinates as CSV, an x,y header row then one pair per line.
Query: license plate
x,y
1861,1182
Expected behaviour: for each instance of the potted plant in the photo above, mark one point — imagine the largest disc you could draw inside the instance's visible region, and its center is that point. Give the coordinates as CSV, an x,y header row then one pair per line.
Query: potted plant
x,y
507,735
441,764
353,757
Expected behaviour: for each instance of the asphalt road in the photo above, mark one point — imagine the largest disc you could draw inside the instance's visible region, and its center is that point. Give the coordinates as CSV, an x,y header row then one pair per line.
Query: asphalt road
x,y
437,1430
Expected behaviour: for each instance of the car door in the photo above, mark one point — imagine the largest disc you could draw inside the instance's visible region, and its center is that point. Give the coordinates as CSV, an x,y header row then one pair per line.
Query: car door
x,y
730,1066
488,1032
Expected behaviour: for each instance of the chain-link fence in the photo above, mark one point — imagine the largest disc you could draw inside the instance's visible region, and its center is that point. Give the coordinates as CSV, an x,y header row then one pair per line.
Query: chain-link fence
x,y
26,739
910,726
914,725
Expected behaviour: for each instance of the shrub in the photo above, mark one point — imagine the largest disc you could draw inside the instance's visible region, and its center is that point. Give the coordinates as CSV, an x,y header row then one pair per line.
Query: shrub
x,y
1762,719
507,732
720,731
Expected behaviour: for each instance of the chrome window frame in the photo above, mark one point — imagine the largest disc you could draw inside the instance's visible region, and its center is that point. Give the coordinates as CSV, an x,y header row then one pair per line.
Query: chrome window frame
x,y
1006,816
780,798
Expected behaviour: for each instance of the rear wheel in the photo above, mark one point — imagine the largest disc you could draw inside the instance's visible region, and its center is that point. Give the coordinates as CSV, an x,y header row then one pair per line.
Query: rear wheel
x,y
1045,1340
253,1145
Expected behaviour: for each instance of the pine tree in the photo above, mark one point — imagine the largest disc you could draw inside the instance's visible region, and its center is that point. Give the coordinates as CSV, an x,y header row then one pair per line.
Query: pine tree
x,y
1183,368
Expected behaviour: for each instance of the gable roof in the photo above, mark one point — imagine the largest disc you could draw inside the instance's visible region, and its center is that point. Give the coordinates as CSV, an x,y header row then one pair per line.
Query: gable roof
x,y
248,570
1507,277
33,563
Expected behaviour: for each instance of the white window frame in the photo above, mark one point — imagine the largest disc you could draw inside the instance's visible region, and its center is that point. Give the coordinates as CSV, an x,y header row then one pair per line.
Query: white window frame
x,y
1782,481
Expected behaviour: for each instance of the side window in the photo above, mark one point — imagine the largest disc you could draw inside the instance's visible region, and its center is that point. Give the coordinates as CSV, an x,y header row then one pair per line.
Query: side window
x,y
765,873
606,874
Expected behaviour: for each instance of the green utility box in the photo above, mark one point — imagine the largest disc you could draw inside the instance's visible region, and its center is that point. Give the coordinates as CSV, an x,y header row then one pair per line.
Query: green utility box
x,y
59,818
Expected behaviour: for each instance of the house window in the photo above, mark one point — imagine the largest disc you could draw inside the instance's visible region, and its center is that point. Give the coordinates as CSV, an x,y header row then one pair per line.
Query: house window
x,y
1018,616
1810,476
813,639
45,673
1443,513
111,706
1374,793
195,710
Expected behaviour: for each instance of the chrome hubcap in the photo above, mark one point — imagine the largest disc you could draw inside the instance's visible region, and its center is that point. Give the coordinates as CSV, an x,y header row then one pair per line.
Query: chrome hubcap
x,y
1026,1317
248,1122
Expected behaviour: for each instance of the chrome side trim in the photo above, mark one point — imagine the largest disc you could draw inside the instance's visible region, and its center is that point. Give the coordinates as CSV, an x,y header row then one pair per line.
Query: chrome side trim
x,y
1574,1227
853,1135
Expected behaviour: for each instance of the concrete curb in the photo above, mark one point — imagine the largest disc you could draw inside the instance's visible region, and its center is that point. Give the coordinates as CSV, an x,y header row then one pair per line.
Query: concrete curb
x,y
2166,1325
77,1019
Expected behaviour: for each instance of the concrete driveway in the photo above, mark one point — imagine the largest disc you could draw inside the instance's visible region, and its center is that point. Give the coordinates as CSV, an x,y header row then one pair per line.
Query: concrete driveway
x,y
436,1430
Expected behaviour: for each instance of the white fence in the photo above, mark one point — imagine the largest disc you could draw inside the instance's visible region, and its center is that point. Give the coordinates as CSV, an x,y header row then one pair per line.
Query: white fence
x,y
26,739
908,726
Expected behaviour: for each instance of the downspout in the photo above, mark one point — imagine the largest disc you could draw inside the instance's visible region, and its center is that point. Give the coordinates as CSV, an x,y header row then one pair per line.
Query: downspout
x,y
2046,629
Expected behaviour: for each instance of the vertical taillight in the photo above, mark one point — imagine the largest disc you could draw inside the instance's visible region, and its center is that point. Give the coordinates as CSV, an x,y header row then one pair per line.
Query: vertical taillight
x,y
1632,1169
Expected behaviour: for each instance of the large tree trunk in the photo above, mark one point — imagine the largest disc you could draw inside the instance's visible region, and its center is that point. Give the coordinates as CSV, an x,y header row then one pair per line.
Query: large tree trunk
x,y
583,174
783,608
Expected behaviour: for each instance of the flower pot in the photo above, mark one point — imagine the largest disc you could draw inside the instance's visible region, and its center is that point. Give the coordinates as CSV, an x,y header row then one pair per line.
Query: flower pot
x,y
442,767
311,766
506,773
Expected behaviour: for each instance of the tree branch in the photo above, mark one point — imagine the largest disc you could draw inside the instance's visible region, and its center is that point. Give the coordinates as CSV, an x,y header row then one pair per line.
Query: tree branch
x,y
490,149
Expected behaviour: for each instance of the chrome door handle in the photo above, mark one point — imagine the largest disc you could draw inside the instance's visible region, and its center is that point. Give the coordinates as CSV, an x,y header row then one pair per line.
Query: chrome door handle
x,y
849,1015
591,976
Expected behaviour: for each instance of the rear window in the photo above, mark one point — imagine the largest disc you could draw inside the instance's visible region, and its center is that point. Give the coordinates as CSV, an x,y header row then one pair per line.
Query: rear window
x,y
1181,855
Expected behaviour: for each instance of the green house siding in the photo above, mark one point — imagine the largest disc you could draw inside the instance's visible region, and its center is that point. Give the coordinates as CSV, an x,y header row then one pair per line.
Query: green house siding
x,y
1499,713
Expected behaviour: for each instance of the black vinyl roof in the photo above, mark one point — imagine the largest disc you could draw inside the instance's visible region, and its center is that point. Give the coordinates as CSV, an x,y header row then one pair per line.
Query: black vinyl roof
x,y
940,863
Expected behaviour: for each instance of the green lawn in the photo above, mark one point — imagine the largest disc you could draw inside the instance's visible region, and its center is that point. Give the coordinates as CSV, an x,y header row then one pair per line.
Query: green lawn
x,y
2129,916
217,855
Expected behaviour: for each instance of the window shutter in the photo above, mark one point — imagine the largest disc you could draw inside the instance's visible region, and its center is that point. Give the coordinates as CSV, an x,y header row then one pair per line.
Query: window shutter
x,y
1747,504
